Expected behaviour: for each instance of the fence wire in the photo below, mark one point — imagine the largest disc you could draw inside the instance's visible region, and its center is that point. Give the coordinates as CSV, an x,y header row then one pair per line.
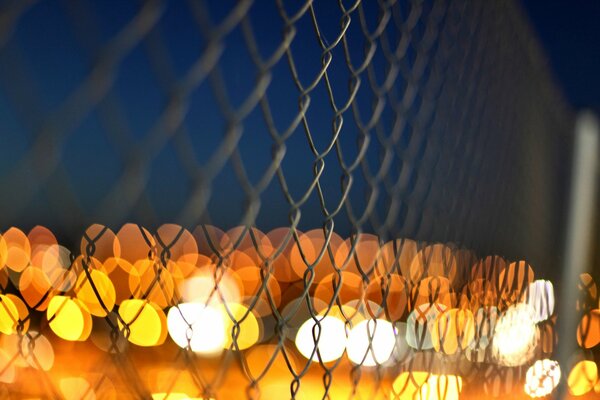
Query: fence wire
x,y
333,172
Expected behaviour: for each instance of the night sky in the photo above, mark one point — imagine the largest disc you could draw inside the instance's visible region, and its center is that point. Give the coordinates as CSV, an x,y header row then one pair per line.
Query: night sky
x,y
53,46
569,31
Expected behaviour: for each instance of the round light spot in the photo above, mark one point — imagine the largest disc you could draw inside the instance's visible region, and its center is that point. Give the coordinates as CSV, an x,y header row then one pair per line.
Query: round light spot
x,y
328,342
583,377
97,293
408,384
441,387
209,285
146,323
9,315
68,318
540,297
198,327
541,378
588,331
133,243
371,342
515,336
22,310
453,329
249,330
97,242
18,249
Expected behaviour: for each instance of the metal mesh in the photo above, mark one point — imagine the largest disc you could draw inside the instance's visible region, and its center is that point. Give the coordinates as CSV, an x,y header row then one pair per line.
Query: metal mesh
x,y
395,125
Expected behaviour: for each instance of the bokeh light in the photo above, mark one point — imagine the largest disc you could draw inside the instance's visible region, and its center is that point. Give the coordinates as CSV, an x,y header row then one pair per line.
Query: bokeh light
x,y
542,377
69,318
198,327
240,321
583,377
96,291
325,340
9,315
430,315
516,336
441,387
540,297
371,342
144,322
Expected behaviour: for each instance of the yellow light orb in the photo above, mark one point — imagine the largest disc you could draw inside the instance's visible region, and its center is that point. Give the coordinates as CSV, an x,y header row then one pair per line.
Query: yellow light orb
x,y
515,336
453,329
146,322
371,342
328,342
541,378
94,301
441,387
583,377
68,318
407,385
199,327
9,315
249,328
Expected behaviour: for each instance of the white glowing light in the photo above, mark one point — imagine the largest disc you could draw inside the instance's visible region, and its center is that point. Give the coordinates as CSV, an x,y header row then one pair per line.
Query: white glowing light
x,y
329,335
541,378
200,327
515,336
202,288
540,297
379,334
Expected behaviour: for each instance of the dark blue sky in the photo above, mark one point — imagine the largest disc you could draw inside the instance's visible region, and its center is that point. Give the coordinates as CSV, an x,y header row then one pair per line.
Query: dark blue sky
x,y
55,43
570,34
50,53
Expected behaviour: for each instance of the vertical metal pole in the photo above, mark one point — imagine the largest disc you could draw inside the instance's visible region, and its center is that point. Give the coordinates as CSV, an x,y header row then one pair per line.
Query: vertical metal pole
x,y
582,207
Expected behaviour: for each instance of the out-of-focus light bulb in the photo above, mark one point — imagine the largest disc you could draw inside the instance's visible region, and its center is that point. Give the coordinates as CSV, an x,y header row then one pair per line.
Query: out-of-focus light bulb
x,y
329,339
541,378
540,297
371,342
515,336
199,326
441,387
583,377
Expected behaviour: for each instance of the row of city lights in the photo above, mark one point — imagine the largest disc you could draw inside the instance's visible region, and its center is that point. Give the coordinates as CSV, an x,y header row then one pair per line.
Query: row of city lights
x,y
212,291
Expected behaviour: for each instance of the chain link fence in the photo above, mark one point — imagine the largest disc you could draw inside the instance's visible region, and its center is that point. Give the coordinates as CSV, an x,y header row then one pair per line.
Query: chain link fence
x,y
404,159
